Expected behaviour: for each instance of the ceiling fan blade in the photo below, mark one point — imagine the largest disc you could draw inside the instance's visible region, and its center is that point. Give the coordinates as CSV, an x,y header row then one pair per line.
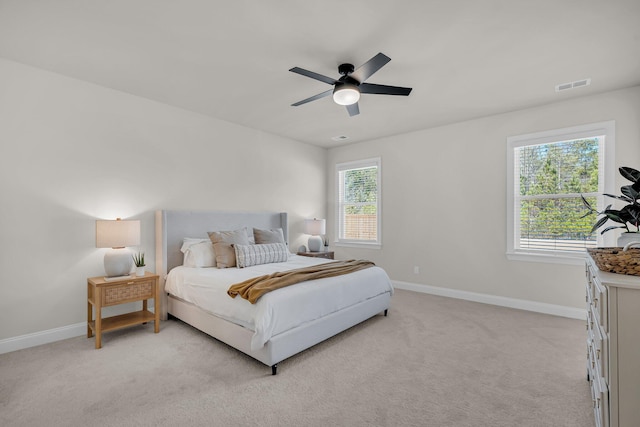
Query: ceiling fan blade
x,y
313,98
384,89
353,109
367,69
313,75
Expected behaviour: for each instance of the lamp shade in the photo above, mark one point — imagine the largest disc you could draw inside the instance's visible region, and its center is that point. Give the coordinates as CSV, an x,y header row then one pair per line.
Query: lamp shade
x,y
117,234
315,227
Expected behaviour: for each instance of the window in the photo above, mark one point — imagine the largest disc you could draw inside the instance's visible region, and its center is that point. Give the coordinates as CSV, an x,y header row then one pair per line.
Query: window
x,y
358,205
547,173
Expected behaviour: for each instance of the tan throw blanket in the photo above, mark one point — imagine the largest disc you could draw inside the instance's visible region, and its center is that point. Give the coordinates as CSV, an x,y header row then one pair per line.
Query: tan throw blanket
x,y
253,289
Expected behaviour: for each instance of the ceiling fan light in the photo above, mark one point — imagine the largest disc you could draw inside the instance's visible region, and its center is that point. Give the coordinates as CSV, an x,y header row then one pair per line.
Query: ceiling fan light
x,y
346,94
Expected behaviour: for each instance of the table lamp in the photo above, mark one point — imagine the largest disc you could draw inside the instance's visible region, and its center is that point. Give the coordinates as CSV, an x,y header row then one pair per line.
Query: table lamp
x,y
117,235
315,227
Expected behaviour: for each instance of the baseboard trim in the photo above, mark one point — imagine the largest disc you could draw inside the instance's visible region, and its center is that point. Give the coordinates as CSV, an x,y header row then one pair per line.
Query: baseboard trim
x,y
78,329
539,307
43,337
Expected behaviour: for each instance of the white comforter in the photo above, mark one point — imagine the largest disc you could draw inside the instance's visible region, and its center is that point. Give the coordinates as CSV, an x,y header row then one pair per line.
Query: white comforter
x,y
279,310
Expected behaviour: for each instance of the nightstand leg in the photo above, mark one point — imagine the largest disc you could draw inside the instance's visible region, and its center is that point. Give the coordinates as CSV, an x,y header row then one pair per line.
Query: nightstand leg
x,y
98,323
89,312
144,307
89,319
156,310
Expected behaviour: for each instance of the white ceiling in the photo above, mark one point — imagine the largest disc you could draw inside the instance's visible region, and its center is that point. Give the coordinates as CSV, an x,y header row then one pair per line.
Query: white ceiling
x,y
230,59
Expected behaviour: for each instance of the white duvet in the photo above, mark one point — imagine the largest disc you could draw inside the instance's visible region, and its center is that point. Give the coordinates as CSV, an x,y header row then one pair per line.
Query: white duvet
x,y
279,310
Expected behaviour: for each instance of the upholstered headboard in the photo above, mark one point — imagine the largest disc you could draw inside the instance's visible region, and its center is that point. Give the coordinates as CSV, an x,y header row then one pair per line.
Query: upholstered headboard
x,y
173,226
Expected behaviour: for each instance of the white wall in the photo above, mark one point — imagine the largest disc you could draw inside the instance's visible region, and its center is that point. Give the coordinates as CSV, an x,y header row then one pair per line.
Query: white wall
x,y
444,199
72,152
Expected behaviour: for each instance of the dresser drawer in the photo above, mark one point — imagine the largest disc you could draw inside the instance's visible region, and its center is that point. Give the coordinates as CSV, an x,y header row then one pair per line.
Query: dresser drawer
x,y
592,320
600,399
598,296
129,292
601,352
588,294
591,360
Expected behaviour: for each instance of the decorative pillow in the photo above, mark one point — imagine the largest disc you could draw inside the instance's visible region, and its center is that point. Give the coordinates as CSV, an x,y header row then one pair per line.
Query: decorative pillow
x,y
268,236
266,253
222,241
197,252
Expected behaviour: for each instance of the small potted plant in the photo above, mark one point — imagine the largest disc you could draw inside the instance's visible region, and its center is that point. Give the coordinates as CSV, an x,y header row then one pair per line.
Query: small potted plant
x,y
138,260
629,215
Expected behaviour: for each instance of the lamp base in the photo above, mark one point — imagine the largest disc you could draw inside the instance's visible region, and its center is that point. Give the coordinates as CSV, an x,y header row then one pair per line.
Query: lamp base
x,y
117,262
315,243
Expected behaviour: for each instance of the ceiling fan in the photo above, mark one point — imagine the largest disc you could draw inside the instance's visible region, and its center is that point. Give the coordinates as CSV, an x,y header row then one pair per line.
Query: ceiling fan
x,y
347,89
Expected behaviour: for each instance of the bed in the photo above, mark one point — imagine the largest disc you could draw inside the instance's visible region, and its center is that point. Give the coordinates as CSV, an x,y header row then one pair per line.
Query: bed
x,y
362,294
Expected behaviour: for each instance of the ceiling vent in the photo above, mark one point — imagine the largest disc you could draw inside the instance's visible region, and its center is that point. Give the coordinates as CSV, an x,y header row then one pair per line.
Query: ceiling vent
x,y
573,85
340,137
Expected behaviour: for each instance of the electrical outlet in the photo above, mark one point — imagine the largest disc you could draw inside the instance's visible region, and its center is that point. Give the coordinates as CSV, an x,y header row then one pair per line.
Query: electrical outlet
x,y
416,270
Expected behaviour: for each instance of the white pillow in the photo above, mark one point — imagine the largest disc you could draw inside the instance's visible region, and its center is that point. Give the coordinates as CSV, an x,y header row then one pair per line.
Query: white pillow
x,y
198,253
248,255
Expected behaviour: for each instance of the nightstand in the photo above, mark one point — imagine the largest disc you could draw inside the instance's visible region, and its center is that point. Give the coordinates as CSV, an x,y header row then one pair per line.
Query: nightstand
x,y
321,254
105,293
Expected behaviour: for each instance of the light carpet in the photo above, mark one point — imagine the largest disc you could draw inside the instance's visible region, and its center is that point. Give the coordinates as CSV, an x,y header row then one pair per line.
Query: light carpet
x,y
433,361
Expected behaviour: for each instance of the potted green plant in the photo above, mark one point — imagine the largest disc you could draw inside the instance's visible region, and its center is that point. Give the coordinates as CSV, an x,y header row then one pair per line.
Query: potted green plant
x,y
138,260
628,216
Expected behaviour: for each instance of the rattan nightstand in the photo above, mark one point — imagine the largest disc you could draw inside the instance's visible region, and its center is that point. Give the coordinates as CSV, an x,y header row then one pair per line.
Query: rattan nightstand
x,y
103,293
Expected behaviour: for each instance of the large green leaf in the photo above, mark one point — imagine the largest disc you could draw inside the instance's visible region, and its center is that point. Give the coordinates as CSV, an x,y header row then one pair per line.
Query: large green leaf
x,y
623,198
599,223
630,174
614,215
628,191
631,214
612,228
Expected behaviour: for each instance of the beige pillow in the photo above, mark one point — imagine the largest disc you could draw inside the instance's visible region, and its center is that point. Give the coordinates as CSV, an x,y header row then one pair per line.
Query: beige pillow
x,y
222,241
268,236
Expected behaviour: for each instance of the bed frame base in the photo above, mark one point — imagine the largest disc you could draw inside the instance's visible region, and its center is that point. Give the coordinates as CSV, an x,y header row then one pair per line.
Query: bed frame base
x,y
283,345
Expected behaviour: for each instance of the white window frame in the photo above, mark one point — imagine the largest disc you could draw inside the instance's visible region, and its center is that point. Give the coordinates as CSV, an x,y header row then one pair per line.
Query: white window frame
x,y
359,164
606,170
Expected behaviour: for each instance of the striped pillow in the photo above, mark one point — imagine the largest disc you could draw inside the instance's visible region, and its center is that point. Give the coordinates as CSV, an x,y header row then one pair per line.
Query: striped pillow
x,y
248,255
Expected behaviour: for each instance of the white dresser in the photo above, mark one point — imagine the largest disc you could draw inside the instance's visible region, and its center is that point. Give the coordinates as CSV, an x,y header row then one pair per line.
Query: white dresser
x,y
613,346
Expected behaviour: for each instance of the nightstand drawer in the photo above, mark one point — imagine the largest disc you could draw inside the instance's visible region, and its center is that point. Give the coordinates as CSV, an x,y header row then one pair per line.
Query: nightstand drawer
x,y
133,291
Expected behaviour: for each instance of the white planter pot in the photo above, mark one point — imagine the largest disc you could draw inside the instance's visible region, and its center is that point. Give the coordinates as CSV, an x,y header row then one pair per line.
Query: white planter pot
x,y
628,238
140,271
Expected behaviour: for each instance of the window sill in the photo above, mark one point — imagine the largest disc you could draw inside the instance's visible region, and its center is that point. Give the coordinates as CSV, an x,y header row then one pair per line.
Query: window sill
x,y
549,258
358,245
